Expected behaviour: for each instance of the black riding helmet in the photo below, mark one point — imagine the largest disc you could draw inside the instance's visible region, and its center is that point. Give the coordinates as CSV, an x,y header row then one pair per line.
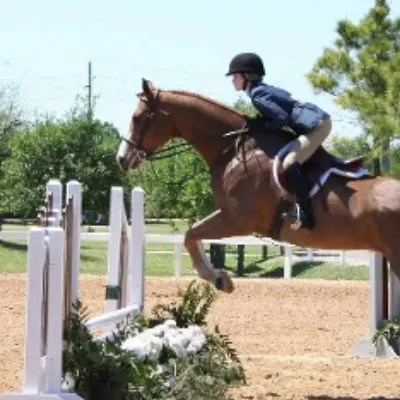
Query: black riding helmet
x,y
246,63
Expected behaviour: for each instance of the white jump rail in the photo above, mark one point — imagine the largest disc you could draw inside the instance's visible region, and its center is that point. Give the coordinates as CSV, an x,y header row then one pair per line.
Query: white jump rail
x,y
111,318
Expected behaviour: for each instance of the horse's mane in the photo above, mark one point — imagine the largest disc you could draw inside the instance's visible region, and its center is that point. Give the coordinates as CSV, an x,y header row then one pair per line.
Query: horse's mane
x,y
282,134
206,99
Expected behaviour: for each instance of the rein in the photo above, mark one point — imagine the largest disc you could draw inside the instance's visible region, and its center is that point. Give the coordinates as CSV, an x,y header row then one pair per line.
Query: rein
x,y
170,151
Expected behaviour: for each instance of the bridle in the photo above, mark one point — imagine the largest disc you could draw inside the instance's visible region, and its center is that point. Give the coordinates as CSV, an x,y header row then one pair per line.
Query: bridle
x,y
152,110
144,154
137,143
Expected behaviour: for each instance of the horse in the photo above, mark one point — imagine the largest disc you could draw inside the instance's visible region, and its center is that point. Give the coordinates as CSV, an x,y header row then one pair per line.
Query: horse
x,y
352,209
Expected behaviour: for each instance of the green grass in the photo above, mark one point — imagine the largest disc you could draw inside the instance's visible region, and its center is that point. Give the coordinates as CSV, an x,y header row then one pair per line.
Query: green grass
x,y
94,257
13,256
178,227
273,268
173,227
94,261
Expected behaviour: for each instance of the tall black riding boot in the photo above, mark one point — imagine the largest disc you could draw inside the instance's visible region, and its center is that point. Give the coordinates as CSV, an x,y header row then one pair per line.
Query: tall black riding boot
x,y
303,215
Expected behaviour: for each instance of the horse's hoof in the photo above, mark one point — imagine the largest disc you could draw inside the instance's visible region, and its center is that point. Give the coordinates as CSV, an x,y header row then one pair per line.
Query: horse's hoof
x,y
219,282
224,283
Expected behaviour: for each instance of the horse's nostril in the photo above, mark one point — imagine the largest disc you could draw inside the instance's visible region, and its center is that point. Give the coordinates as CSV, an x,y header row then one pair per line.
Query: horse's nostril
x,y
122,162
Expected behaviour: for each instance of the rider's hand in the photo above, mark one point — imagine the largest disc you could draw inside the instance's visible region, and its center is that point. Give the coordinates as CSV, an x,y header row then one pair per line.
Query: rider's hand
x,y
256,124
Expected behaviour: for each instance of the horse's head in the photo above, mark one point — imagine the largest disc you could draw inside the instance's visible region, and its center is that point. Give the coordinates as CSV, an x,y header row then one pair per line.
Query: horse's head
x,y
150,128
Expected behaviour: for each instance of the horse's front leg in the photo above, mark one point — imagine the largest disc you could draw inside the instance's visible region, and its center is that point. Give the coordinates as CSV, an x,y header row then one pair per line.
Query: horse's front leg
x,y
216,226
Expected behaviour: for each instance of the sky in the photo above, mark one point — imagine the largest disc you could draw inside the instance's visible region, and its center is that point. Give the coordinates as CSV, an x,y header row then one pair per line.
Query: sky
x,y
46,46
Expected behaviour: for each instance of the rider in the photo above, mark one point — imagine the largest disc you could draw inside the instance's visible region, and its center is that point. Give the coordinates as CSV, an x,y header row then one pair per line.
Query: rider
x,y
311,124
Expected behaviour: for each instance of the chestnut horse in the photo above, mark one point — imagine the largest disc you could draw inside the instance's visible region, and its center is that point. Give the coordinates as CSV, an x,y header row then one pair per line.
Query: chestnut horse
x,y
352,209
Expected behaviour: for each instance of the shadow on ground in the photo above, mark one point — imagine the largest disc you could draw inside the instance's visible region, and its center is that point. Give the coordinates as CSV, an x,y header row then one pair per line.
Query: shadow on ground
x,y
13,245
272,395
256,269
323,397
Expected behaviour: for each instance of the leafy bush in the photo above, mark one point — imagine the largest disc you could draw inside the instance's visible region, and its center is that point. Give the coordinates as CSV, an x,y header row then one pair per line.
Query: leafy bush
x,y
389,330
179,359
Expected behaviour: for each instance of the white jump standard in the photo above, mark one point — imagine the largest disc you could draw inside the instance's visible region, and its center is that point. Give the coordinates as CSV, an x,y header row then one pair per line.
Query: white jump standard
x,y
52,284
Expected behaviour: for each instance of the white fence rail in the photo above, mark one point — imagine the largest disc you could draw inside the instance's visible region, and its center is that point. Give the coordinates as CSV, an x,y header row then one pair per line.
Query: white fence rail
x,y
341,257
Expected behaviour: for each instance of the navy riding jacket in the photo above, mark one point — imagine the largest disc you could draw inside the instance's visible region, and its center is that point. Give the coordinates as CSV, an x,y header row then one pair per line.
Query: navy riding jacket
x,y
280,109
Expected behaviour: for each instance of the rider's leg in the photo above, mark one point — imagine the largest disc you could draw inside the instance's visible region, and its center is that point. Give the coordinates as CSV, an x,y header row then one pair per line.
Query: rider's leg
x,y
303,147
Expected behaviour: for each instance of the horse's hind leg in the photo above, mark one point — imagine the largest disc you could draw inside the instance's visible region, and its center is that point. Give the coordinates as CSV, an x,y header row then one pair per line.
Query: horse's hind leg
x,y
215,226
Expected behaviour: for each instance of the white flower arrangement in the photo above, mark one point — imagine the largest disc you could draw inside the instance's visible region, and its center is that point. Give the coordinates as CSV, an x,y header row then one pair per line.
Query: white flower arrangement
x,y
155,362
150,342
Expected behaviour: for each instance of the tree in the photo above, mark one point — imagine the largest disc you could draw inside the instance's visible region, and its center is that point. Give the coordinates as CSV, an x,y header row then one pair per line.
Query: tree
x,y
347,148
176,187
11,118
361,71
245,107
10,112
72,149
394,161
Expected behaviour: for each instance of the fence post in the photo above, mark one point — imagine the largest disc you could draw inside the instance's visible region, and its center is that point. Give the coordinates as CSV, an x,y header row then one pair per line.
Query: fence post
x,y
113,291
376,291
217,255
33,327
55,311
137,250
394,282
240,259
74,191
310,254
264,253
54,187
287,266
342,257
177,259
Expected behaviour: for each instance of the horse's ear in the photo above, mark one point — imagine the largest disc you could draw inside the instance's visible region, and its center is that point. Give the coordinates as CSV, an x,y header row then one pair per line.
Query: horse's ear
x,y
147,88
145,85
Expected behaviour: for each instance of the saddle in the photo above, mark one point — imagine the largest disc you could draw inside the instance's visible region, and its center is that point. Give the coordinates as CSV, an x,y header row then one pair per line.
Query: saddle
x,y
318,168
